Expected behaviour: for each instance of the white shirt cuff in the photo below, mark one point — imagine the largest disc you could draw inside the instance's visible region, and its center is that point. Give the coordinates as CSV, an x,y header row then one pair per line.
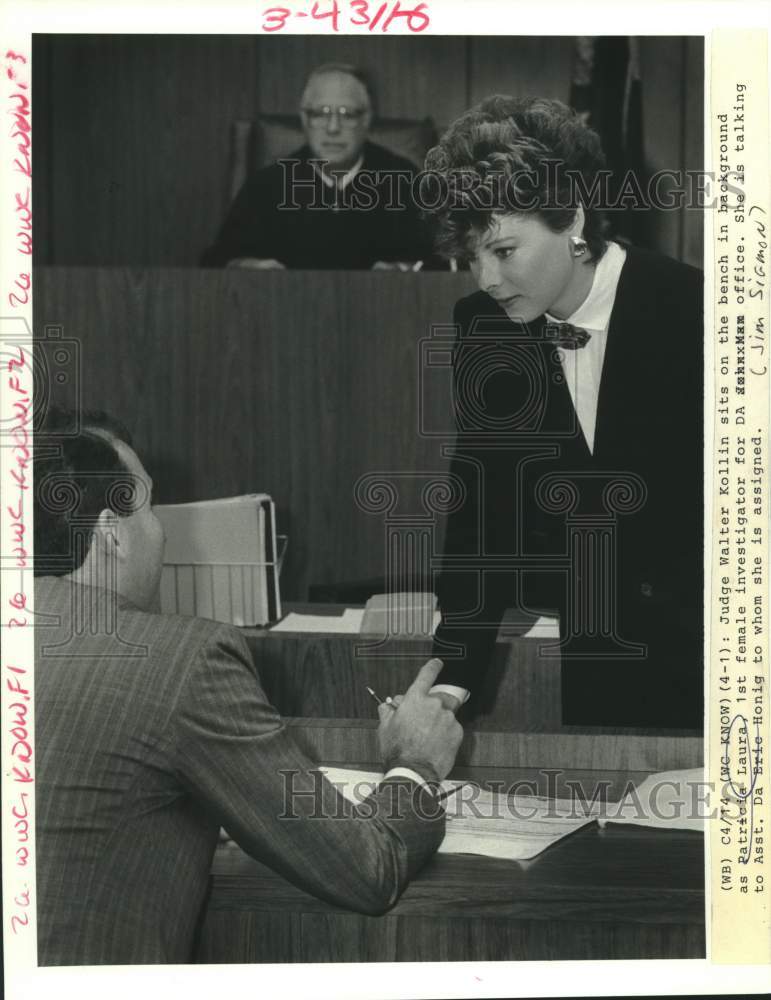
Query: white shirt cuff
x,y
458,692
405,772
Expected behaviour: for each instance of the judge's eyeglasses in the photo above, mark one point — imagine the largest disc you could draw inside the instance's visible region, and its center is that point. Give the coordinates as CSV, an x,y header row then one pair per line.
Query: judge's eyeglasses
x,y
347,117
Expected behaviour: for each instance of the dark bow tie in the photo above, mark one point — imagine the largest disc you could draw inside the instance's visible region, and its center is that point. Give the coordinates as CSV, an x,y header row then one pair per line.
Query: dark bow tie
x,y
567,336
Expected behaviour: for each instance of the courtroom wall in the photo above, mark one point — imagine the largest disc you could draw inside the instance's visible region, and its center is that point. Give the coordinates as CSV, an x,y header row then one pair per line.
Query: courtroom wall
x,y
131,153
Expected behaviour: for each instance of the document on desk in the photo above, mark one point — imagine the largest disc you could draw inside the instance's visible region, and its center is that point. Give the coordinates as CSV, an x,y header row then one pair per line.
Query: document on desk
x,y
348,622
512,827
671,800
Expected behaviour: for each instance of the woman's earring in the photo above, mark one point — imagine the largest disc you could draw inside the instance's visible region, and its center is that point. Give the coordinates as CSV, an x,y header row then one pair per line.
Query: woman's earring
x,y
578,246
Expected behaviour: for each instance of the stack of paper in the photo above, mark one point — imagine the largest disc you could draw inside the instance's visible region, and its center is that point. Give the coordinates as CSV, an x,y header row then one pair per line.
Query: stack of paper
x,y
220,560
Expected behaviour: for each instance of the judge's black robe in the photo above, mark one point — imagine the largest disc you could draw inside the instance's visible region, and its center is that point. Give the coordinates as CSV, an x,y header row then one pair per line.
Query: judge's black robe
x,y
287,213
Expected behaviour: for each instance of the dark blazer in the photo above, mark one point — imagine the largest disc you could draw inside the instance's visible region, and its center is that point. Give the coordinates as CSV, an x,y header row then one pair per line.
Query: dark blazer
x,y
152,731
631,614
373,218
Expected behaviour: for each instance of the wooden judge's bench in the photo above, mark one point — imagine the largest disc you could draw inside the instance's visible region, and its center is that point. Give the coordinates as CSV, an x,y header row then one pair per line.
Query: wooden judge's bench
x,y
618,892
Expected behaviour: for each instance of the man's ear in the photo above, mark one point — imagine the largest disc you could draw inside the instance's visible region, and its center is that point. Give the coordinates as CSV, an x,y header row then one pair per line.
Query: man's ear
x,y
106,534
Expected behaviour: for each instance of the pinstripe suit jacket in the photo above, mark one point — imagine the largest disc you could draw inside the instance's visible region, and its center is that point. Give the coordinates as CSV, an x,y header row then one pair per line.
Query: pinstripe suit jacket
x,y
153,731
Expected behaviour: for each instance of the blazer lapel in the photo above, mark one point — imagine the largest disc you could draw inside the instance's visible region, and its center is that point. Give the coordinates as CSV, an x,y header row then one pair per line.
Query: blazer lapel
x,y
621,363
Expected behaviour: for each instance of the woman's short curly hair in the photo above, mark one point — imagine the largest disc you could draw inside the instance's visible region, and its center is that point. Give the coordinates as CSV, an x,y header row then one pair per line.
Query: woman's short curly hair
x,y
509,155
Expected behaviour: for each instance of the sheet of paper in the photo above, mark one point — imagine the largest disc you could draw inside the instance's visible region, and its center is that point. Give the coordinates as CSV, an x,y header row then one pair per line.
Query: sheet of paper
x,y
349,621
673,800
515,827
544,628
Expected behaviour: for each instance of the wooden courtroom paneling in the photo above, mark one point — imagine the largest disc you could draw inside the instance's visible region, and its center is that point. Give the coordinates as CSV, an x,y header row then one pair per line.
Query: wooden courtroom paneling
x,y
521,66
327,676
605,753
136,131
262,936
413,77
295,383
621,892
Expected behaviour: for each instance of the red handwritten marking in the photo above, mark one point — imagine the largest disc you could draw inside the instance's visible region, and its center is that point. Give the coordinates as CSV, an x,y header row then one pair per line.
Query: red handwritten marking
x,y
20,363
419,12
332,13
275,16
21,753
22,409
381,10
361,7
17,723
15,55
20,111
22,131
24,212
416,18
23,283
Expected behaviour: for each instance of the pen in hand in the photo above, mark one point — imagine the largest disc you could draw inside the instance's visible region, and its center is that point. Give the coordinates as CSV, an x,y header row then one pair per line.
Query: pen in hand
x,y
389,700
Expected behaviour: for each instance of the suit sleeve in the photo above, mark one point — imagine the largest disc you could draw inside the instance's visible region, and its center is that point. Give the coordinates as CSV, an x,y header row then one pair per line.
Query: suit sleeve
x,y
236,757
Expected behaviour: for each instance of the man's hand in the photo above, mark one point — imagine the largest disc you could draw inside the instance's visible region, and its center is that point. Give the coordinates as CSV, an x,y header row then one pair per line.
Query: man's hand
x,y
257,264
420,733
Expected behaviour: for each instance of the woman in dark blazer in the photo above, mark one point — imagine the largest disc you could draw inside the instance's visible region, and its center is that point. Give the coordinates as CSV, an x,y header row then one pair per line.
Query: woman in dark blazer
x,y
578,404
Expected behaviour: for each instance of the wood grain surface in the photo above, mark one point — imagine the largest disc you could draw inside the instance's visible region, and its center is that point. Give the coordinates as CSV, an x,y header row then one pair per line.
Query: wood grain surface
x,y
617,892
606,754
295,383
324,675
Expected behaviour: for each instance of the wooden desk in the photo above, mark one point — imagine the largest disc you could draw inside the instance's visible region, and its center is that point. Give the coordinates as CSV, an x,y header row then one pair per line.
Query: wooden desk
x,y
618,892
613,893
326,676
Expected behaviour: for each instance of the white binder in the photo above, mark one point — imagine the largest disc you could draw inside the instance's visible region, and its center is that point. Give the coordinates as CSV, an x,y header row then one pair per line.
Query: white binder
x,y
221,560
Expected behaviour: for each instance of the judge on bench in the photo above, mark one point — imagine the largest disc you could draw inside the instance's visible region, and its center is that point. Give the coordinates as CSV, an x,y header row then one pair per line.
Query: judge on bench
x,y
340,201
152,732
578,400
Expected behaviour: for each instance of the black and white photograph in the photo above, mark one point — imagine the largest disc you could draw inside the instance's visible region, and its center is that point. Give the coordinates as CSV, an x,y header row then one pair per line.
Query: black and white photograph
x,y
369,495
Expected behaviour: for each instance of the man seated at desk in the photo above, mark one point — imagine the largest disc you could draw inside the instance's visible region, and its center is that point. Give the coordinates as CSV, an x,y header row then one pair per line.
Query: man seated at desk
x,y
340,201
153,732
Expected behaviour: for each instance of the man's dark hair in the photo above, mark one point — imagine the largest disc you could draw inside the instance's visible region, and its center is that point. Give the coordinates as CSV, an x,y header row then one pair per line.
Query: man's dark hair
x,y
76,477
510,151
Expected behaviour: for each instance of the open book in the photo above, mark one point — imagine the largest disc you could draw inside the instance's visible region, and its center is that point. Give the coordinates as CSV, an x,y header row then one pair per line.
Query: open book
x,y
220,560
